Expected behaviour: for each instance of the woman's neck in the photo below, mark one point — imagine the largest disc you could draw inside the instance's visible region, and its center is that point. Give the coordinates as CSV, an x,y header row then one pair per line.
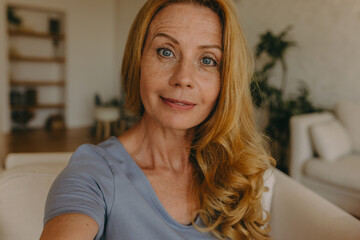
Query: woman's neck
x,y
153,146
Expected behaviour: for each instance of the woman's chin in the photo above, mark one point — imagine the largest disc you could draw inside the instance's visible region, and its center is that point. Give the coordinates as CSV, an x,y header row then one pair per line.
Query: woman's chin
x,y
177,125
172,124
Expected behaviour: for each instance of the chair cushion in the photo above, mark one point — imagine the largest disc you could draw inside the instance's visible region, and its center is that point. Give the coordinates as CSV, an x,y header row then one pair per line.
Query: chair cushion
x,y
269,182
330,140
22,199
349,114
343,173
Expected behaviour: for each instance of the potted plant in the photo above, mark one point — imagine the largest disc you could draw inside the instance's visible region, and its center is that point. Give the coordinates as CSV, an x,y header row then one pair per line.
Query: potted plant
x,y
280,108
13,20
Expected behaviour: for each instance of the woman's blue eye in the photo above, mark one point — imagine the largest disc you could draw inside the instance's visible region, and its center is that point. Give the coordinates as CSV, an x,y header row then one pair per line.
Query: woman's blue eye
x,y
208,61
164,52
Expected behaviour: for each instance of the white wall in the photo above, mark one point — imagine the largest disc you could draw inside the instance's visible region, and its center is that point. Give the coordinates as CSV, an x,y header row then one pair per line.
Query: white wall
x,y
90,51
328,37
126,11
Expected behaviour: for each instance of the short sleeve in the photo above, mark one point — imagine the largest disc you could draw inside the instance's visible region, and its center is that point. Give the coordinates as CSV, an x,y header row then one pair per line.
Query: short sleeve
x,y
85,186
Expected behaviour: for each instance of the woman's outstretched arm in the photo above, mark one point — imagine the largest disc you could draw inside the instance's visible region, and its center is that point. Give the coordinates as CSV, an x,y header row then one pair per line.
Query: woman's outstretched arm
x,y
70,226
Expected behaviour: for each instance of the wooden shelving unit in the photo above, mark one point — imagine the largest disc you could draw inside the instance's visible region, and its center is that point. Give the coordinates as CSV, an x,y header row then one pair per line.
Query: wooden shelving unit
x,y
27,37
36,8
37,59
39,106
19,33
36,83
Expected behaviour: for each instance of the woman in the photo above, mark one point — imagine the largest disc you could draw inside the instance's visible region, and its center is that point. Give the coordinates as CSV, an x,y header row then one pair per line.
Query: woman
x,y
192,168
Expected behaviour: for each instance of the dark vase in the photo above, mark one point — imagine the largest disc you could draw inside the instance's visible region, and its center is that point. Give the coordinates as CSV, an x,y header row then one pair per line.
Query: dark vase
x,y
30,97
15,98
54,26
54,30
21,117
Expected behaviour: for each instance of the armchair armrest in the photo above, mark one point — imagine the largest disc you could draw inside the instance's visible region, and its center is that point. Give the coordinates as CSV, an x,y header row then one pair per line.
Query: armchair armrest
x,y
298,213
14,160
300,142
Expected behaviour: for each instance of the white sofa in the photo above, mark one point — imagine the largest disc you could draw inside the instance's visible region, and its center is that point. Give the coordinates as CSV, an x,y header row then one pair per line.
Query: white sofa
x,y
296,212
325,154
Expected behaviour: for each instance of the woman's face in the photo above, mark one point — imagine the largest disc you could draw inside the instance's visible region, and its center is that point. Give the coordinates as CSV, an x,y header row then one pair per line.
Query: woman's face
x,y
180,77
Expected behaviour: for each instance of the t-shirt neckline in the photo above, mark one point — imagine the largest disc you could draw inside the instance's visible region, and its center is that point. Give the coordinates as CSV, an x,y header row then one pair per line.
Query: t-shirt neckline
x,y
151,191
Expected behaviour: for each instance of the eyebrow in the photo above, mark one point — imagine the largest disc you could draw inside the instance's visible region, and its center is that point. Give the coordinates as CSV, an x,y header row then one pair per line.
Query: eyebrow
x,y
177,42
166,36
211,46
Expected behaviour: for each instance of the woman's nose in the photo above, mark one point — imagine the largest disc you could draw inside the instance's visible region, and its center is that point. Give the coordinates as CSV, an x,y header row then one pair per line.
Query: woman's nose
x,y
183,75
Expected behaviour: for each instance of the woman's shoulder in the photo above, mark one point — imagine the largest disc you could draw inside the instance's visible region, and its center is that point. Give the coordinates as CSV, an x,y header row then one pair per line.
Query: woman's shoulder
x,y
87,184
107,154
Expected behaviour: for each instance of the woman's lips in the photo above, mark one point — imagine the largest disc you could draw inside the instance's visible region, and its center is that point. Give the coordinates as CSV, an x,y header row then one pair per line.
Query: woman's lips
x,y
178,104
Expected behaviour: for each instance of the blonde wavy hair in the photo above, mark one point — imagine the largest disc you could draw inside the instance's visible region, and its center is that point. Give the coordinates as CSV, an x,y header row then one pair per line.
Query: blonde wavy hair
x,y
228,153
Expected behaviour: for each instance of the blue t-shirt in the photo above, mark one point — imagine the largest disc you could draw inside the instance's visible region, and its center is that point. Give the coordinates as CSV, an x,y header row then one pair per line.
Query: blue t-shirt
x,y
104,183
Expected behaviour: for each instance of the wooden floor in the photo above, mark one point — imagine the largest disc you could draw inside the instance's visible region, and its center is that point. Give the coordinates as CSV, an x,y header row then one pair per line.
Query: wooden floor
x,y
44,141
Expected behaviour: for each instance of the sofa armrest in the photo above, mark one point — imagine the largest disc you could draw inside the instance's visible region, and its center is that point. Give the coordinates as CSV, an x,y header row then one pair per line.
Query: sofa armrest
x,y
297,213
300,141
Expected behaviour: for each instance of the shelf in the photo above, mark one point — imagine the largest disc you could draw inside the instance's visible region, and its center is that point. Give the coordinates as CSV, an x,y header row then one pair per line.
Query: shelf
x,y
25,43
34,34
39,106
37,9
37,59
36,83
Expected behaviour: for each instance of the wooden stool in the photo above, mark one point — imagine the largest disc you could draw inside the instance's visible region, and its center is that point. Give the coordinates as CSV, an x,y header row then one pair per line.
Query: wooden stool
x,y
105,116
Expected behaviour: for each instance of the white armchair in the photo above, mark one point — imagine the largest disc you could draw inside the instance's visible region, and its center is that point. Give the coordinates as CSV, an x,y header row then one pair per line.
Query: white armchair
x,y
325,154
296,212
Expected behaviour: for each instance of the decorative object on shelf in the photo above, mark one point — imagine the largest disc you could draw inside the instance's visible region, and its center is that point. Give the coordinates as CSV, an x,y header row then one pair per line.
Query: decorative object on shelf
x,y
21,118
54,30
23,98
279,107
54,26
15,97
55,122
13,19
30,96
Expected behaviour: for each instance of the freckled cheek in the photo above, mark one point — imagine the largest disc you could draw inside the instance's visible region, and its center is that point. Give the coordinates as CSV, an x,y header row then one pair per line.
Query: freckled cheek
x,y
149,72
210,93
156,71
210,84
150,85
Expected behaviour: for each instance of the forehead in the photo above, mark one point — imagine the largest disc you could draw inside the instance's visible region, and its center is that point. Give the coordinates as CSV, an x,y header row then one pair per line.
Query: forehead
x,y
186,17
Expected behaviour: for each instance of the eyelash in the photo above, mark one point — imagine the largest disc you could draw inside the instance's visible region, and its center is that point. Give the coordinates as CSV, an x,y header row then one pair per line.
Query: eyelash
x,y
160,52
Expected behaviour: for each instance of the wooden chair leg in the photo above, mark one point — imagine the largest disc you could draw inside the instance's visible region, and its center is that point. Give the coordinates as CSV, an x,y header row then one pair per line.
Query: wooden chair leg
x,y
107,130
99,130
115,128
